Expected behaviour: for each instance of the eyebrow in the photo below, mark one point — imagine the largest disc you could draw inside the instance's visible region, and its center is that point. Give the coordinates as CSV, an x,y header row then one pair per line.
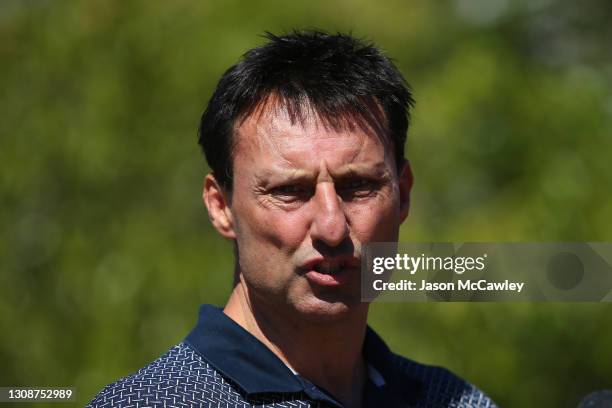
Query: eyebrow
x,y
361,169
284,174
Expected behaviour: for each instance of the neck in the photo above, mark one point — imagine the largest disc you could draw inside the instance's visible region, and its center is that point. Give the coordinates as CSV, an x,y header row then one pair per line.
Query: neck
x,y
338,367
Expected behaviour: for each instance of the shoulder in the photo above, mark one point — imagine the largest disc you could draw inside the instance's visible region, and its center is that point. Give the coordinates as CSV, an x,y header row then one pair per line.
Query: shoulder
x,y
438,386
421,384
180,377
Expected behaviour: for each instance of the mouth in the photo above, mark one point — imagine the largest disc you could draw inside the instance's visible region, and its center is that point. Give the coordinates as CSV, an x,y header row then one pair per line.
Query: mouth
x,y
327,267
332,272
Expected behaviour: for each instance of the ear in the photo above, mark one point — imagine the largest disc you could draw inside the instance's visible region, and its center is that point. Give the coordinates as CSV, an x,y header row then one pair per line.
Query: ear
x,y
405,186
218,204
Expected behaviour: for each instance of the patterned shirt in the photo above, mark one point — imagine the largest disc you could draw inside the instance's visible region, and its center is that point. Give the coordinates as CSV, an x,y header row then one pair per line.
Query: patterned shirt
x,y
221,365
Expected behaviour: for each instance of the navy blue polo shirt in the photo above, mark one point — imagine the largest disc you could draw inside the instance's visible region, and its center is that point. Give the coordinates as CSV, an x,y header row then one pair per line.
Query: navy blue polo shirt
x,y
220,364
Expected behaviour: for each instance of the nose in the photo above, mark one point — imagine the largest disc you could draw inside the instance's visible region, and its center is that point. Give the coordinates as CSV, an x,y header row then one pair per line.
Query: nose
x,y
329,223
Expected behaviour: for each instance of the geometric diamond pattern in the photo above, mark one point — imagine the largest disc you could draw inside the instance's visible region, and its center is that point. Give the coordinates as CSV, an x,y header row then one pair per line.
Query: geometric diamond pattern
x,y
181,378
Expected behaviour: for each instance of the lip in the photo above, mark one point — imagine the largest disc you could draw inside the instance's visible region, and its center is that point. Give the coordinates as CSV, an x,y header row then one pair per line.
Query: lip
x,y
344,275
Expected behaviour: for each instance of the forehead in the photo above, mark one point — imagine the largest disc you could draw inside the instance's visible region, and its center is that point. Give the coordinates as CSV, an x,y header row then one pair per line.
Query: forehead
x,y
271,134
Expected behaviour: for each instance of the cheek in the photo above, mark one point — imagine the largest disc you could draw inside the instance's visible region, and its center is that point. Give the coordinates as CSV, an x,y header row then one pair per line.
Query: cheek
x,y
269,229
375,221
284,231
267,242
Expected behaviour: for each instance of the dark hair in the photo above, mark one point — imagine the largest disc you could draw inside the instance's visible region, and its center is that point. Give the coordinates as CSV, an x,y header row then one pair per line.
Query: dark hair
x,y
344,80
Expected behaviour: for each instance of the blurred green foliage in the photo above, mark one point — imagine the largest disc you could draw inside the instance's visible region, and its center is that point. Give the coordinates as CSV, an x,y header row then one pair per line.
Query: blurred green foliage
x,y
106,250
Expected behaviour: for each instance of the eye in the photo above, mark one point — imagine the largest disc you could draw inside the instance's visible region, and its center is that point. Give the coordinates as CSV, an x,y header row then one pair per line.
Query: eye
x,y
356,184
291,192
357,188
291,189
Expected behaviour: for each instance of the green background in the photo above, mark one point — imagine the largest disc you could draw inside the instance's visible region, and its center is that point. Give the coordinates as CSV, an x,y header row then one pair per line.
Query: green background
x,y
106,249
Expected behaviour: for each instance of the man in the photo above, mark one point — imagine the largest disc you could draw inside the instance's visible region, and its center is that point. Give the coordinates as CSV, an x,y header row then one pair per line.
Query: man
x,y
305,138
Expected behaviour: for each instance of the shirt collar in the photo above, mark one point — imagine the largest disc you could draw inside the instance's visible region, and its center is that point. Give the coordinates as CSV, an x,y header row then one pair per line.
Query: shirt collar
x,y
246,361
239,355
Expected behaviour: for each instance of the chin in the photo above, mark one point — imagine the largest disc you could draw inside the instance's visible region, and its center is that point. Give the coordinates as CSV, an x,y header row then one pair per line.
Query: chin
x,y
326,309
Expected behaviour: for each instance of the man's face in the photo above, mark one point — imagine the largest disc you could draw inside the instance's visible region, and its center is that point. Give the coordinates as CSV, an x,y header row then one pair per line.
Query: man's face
x,y
305,200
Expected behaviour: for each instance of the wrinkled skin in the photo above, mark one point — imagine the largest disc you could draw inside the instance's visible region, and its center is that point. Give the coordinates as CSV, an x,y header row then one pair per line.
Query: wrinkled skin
x,y
303,191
